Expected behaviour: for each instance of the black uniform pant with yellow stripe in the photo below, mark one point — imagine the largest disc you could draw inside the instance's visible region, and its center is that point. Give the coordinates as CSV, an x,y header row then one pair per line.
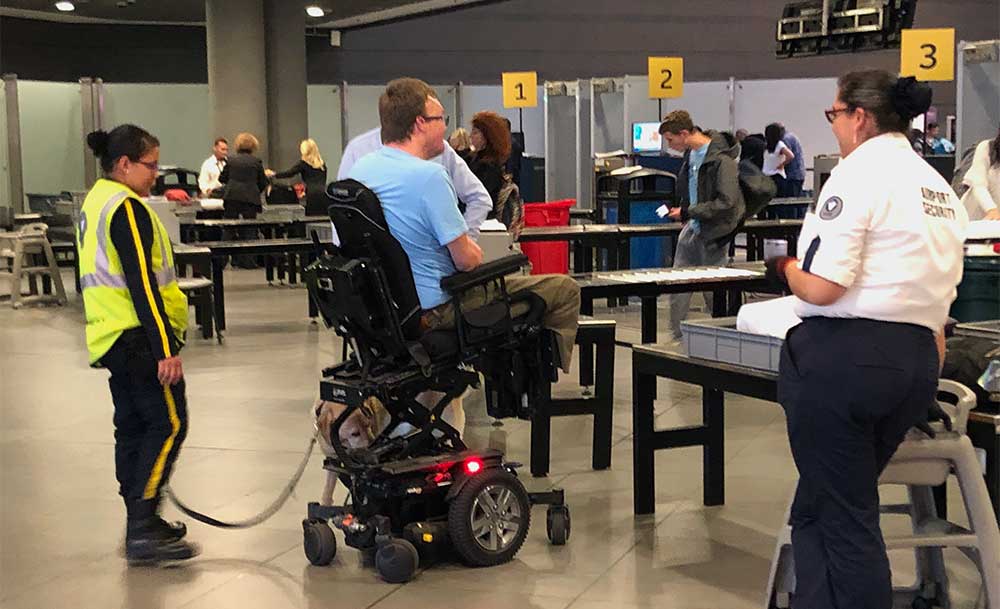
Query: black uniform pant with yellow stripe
x,y
150,423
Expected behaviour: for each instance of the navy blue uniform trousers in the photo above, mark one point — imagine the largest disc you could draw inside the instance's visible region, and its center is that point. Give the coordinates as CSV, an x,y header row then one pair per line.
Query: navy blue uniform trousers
x,y
851,389
151,423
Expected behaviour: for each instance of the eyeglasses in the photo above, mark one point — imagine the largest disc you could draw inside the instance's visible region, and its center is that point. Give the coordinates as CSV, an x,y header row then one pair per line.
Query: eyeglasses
x,y
446,119
154,166
831,114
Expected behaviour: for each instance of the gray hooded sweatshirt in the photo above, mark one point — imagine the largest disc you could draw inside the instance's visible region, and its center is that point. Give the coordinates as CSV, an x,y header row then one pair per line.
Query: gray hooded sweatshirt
x,y
720,205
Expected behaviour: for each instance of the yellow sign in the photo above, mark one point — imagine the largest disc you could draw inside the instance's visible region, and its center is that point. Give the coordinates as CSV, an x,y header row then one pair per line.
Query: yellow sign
x,y
666,77
520,89
928,54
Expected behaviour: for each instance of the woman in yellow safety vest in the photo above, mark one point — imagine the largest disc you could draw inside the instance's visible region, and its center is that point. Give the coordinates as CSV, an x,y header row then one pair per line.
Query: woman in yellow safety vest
x,y
136,319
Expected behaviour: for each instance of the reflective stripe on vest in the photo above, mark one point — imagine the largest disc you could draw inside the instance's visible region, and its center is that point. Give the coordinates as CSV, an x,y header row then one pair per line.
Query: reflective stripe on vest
x,y
102,275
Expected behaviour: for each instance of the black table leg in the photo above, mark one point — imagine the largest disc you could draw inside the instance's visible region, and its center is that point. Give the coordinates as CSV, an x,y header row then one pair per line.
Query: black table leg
x,y
719,304
269,269
293,268
218,292
713,457
604,395
541,430
648,319
643,467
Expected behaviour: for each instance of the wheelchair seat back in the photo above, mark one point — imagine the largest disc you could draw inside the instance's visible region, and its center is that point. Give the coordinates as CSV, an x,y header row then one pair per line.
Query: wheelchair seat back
x,y
366,289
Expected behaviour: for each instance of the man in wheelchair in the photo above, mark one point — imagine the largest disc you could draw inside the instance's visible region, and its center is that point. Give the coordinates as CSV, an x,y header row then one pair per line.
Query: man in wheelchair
x,y
417,327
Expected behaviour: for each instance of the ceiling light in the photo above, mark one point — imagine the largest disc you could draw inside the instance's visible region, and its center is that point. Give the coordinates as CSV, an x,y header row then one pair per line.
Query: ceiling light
x,y
65,6
315,11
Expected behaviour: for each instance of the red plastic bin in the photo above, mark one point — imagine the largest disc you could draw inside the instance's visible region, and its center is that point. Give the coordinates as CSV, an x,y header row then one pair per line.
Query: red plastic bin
x,y
548,257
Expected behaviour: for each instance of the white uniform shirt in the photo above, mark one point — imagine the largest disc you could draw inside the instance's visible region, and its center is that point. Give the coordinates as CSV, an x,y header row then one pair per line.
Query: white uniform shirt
x,y
773,159
983,181
208,177
890,229
469,189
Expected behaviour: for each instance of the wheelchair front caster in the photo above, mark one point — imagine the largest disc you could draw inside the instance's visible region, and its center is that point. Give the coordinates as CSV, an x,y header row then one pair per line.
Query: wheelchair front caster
x,y
319,542
557,524
396,561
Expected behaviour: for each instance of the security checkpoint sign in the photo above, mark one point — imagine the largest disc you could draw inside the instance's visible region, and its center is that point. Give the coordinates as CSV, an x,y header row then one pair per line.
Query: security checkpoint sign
x,y
520,89
666,77
928,54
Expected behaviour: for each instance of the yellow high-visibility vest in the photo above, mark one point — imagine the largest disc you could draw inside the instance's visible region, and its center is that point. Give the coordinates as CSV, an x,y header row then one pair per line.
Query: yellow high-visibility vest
x,y
106,298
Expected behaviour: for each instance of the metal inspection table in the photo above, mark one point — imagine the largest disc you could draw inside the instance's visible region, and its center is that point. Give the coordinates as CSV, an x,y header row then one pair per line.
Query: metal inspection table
x,y
716,378
727,285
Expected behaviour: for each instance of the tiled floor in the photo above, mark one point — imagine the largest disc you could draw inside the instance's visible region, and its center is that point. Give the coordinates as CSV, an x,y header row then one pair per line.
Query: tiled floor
x,y
61,521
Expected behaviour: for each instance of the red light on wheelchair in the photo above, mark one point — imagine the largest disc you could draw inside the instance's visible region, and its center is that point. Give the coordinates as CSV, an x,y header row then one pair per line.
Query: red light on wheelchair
x,y
473,465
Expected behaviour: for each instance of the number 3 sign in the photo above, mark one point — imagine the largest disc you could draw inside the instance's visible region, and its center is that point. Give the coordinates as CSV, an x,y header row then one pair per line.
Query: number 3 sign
x,y
928,54
666,77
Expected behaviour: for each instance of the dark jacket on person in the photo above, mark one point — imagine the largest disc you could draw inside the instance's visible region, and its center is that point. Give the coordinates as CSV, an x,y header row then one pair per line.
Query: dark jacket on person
x,y
490,174
720,205
753,147
315,181
244,178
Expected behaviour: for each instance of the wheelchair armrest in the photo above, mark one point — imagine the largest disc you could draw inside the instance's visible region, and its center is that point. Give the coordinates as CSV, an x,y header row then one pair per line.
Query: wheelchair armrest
x,y
484,273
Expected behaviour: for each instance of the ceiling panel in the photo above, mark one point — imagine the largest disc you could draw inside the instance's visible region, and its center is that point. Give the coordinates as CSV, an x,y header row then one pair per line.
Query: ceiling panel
x,y
181,11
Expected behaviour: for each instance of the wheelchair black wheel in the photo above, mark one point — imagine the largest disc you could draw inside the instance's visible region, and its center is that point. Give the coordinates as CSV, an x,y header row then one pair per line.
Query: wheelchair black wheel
x,y
319,542
396,561
488,519
557,524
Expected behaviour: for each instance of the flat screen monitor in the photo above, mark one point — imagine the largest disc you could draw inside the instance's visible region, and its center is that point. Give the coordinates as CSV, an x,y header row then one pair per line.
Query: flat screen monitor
x,y
646,137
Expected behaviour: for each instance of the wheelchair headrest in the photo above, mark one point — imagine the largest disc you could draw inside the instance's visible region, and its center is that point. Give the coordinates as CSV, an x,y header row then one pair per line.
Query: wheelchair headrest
x,y
364,234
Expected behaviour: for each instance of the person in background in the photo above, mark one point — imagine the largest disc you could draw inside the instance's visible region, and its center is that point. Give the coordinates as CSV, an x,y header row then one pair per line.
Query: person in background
x,y
471,192
752,149
136,319
776,157
882,259
982,199
795,170
741,134
710,202
461,143
208,177
244,178
516,152
490,137
936,143
313,171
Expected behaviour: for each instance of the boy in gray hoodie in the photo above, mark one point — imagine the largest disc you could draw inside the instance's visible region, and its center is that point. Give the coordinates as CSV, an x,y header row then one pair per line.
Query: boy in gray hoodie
x,y
709,200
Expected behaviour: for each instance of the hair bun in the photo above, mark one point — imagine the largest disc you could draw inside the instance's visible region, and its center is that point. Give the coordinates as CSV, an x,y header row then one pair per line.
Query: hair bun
x,y
910,97
98,142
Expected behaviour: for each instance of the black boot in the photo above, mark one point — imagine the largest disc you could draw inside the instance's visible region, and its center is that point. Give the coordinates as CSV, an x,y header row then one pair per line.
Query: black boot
x,y
153,539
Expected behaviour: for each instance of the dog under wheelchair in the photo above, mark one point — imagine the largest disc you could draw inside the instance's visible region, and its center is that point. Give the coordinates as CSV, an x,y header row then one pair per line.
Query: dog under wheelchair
x,y
416,491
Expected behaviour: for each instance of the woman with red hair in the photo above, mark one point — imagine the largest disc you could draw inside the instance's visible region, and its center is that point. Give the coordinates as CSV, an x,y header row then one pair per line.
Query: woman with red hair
x,y
491,141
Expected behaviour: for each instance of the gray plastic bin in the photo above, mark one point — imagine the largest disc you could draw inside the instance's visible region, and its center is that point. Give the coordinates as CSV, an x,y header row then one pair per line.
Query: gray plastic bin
x,y
719,340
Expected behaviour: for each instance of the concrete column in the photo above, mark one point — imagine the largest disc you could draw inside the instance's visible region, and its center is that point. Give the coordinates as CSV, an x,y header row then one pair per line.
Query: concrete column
x,y
285,50
15,185
237,85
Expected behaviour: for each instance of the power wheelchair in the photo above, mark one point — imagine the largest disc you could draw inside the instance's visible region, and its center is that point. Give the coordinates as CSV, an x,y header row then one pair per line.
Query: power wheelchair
x,y
418,492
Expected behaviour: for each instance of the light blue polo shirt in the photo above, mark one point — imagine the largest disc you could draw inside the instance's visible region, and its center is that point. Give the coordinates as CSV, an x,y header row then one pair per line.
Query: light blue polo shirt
x,y
421,208
695,160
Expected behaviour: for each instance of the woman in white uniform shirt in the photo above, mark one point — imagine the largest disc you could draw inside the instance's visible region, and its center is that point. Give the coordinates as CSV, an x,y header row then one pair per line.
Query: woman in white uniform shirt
x,y
883,256
982,200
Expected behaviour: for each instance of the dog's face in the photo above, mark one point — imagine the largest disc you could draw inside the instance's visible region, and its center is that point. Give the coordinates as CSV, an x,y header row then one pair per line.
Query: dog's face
x,y
358,429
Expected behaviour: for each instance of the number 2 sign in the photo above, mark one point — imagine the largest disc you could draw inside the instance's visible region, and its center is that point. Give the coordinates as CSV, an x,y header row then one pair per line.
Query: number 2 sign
x,y
928,54
666,77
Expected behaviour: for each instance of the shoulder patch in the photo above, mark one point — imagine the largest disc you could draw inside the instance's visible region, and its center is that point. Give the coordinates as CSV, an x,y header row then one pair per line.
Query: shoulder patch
x,y
831,208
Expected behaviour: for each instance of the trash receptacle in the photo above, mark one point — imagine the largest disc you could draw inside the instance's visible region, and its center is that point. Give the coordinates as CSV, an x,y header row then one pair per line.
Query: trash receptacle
x,y
548,257
979,293
633,198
